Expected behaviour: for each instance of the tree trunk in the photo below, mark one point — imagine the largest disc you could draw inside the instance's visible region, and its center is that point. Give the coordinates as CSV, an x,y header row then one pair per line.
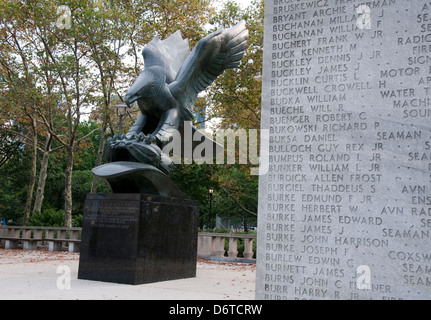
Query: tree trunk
x,y
43,172
68,189
33,168
95,182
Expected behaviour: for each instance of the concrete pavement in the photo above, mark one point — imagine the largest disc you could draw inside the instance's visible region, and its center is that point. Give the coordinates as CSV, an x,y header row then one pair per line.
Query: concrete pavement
x,y
44,275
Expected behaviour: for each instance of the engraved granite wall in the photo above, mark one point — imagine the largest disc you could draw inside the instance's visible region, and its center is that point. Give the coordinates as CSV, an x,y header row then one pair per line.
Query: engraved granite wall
x,y
345,209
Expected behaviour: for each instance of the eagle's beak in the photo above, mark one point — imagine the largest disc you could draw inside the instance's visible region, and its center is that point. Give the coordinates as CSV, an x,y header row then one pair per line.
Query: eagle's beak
x,y
137,90
129,100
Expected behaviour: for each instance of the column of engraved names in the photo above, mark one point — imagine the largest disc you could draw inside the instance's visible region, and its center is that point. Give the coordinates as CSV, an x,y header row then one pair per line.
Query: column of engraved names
x,y
317,206
289,75
304,135
312,83
406,89
395,139
356,225
345,178
316,228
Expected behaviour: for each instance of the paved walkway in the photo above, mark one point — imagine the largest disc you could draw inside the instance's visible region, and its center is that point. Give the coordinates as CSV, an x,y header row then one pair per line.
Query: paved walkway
x,y
33,275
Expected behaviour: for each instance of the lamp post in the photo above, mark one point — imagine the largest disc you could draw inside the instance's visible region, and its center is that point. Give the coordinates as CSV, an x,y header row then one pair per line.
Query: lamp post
x,y
121,110
210,191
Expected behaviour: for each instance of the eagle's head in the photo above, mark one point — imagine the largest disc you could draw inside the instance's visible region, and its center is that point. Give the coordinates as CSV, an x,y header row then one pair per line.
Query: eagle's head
x,y
140,89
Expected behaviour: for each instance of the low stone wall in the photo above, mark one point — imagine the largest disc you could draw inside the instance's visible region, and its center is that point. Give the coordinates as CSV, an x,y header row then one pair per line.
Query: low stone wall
x,y
31,237
210,245
213,245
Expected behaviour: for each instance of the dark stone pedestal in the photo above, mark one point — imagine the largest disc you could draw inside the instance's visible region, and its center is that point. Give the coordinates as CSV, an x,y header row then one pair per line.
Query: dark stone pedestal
x,y
137,238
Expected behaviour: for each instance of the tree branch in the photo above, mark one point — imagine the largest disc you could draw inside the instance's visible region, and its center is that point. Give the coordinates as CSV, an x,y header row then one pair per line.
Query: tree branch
x,y
238,203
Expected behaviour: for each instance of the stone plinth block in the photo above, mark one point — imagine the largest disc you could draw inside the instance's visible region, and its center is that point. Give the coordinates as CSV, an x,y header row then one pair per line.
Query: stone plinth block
x,y
137,238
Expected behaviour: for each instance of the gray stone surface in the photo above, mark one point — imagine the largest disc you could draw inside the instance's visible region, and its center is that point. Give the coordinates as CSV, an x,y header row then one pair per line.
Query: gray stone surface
x,y
345,209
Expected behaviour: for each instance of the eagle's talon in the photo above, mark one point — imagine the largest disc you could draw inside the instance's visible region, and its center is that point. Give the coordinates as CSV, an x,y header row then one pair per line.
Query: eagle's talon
x,y
150,139
131,136
141,137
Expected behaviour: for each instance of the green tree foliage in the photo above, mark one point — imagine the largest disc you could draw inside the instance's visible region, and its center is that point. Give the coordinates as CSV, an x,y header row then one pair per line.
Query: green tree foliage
x,y
235,97
14,173
47,218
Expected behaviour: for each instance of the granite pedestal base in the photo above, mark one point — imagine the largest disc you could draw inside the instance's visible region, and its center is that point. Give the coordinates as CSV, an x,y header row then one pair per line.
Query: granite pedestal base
x,y
138,238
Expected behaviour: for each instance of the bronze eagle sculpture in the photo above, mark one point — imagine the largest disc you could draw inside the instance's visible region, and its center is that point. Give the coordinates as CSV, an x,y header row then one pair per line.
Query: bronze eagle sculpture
x,y
167,89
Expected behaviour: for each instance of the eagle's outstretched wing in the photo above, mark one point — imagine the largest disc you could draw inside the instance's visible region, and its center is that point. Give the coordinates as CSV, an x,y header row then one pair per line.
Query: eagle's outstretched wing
x,y
169,54
212,55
